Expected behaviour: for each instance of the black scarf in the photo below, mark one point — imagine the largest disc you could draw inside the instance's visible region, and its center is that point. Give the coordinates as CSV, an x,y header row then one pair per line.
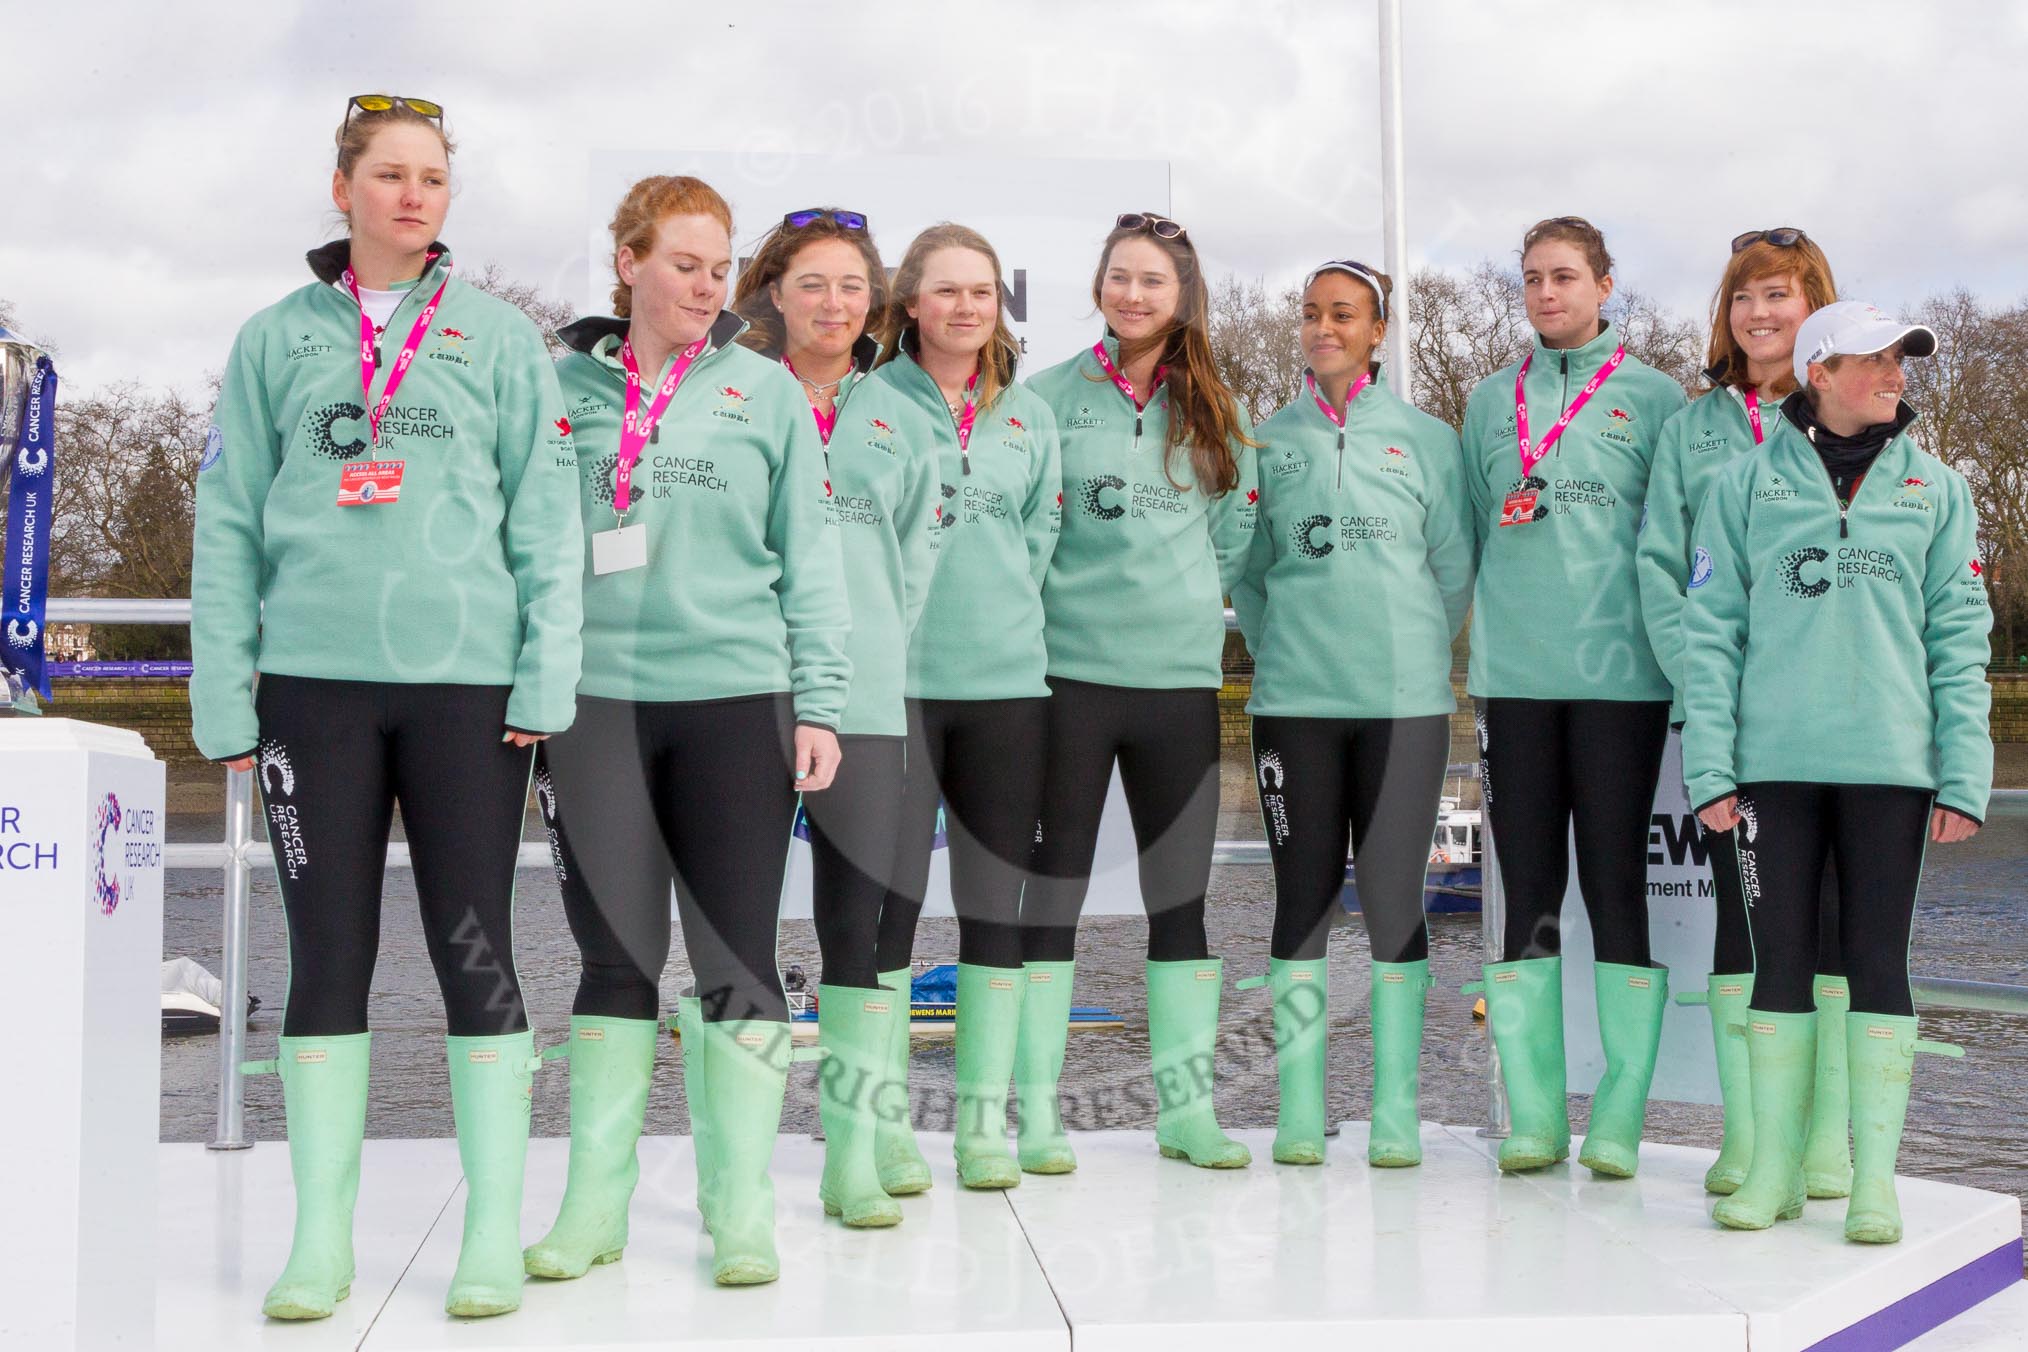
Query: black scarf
x,y
1845,457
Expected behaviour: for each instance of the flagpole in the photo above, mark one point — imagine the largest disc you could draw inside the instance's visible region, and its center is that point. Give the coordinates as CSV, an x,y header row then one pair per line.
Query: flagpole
x,y
1394,226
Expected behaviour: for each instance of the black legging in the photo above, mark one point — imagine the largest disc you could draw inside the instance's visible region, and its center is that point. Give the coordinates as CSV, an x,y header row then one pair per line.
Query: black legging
x,y
1372,783
1166,742
698,794
1876,834
1548,766
334,759
985,757
1732,944
853,828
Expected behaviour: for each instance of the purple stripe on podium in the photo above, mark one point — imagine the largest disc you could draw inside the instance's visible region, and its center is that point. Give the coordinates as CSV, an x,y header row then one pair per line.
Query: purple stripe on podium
x,y
1933,1306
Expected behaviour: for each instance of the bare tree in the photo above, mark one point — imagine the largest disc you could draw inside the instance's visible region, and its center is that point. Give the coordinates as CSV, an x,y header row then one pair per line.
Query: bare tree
x,y
548,315
1467,326
125,499
1975,419
1254,341
1662,338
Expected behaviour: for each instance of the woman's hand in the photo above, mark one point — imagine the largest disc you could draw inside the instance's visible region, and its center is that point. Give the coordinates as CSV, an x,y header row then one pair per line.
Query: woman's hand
x,y
817,757
244,764
524,739
1948,828
1722,815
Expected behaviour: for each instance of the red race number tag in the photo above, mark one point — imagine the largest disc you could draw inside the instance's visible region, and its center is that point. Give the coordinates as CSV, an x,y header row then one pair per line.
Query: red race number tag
x,y
368,483
1518,509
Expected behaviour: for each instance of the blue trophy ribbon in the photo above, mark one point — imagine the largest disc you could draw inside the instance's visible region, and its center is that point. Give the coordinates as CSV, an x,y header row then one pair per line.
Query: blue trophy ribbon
x,y
24,606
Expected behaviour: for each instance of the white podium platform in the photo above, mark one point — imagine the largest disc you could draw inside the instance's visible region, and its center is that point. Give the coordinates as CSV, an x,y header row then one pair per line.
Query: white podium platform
x,y
1132,1252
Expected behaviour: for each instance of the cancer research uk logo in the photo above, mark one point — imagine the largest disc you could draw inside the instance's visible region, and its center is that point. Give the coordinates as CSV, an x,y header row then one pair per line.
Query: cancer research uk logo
x,y
1792,566
123,840
106,883
278,785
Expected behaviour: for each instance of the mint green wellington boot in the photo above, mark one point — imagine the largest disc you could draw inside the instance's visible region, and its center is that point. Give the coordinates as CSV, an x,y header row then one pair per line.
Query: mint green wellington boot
x,y
1302,1008
1183,1002
324,1097
1880,1054
703,1142
1631,1002
1827,1150
1781,1051
1726,995
903,1170
1524,1010
1039,1138
989,1022
611,1062
1397,997
745,1066
492,1079
854,1026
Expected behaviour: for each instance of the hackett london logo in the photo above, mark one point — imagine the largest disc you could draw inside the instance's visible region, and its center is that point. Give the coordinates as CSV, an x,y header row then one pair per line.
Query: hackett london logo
x,y
1084,417
309,346
1776,490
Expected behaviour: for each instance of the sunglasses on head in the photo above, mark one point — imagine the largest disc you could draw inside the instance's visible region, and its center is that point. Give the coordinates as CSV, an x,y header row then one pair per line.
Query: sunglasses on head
x,y
844,220
1782,237
380,103
1160,226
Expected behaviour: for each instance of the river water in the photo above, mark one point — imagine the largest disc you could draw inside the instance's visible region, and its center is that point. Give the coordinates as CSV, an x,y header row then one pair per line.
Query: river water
x,y
1964,1122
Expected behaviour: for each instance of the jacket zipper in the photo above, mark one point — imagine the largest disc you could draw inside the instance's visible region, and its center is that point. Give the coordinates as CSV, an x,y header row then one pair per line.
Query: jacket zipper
x,y
1844,503
1340,486
1563,364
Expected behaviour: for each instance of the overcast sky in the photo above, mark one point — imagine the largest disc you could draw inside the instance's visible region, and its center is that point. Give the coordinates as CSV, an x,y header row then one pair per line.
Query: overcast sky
x,y
167,166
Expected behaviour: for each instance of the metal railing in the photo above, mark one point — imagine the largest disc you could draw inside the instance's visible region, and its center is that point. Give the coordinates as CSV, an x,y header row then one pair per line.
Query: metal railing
x,y
239,854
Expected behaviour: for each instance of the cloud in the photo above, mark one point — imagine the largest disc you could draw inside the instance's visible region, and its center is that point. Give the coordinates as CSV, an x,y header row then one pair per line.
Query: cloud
x,y
180,163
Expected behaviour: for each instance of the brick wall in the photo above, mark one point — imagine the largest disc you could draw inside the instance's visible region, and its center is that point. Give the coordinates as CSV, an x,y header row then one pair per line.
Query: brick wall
x,y
157,709
2010,708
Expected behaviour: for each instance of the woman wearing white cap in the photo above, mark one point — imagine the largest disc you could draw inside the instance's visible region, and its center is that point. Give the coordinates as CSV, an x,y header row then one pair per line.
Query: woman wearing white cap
x,y
1774,280
1359,575
1837,702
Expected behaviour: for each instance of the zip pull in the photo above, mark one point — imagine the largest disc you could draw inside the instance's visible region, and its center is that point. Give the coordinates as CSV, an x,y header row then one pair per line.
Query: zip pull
x,y
1341,458
966,457
1137,429
655,435
1844,533
376,355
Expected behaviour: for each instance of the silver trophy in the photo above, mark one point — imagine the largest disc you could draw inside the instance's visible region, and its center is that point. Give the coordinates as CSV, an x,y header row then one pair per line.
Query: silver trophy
x,y
17,373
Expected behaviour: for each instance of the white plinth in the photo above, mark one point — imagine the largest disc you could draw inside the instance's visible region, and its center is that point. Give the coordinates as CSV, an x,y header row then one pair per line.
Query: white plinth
x,y
1131,1252
81,929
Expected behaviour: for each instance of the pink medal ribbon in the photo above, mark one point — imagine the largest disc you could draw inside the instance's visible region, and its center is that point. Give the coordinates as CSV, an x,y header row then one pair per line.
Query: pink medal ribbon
x,y
369,354
1752,400
636,428
1531,455
1337,418
1126,386
966,419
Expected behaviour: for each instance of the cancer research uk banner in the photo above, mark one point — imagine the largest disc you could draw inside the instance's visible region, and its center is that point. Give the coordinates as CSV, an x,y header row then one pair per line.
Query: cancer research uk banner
x,y
1682,919
30,445
1046,218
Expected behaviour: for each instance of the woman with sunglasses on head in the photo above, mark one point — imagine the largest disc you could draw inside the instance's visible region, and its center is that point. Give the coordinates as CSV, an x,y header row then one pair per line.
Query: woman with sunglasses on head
x,y
1573,710
1835,659
1359,576
976,665
1160,511
715,678
807,293
1774,281
389,425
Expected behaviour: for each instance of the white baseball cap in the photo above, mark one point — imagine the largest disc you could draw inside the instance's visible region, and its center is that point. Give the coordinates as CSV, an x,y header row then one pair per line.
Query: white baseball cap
x,y
1853,328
